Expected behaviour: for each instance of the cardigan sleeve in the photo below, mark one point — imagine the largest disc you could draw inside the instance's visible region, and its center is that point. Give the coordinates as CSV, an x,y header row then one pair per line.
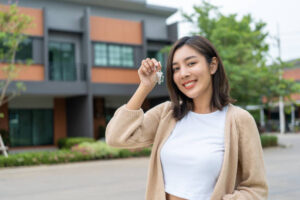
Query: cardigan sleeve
x,y
133,128
253,183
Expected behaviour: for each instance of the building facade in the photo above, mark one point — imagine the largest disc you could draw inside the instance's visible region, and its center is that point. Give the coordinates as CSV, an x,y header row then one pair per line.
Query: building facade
x,y
85,60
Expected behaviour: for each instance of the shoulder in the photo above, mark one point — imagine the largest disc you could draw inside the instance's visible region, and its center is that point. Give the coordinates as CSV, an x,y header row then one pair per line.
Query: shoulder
x,y
245,122
161,110
241,115
163,107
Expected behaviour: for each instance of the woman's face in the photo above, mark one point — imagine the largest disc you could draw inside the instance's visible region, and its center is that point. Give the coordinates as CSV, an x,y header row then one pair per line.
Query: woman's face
x,y
192,73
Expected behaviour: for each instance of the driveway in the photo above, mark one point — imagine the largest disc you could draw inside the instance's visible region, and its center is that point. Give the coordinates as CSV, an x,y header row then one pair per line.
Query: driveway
x,y
125,179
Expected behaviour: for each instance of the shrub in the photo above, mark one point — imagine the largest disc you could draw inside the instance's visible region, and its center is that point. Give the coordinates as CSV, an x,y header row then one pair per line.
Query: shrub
x,y
268,140
68,143
80,152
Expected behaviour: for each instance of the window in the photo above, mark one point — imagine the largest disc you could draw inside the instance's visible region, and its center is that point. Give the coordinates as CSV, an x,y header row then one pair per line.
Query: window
x,y
113,55
24,51
127,56
100,54
29,127
62,65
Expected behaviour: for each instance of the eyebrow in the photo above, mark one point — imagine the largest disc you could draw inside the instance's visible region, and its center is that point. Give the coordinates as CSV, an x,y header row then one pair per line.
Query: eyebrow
x,y
187,58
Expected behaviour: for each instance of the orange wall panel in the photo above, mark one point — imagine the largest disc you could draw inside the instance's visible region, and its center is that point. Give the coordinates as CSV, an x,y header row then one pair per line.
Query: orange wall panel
x,y
109,75
292,74
60,120
36,29
116,30
26,73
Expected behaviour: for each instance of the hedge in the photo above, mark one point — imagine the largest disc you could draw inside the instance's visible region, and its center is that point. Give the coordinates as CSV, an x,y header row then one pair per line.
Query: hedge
x,y
82,152
67,143
91,150
268,140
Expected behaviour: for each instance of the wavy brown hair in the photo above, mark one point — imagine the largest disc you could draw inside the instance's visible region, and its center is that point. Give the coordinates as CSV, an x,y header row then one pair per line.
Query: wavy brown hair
x,y
220,97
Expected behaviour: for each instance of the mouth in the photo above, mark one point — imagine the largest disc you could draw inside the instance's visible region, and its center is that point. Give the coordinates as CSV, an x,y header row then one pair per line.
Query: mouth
x,y
189,84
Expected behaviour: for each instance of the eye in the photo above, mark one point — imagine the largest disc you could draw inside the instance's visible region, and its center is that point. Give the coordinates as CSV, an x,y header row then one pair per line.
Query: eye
x,y
191,64
175,69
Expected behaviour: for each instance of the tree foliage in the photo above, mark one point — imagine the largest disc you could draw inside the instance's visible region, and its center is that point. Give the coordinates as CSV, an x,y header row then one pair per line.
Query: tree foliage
x,y
241,43
12,26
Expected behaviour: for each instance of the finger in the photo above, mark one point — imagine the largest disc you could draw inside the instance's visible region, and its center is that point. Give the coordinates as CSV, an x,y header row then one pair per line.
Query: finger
x,y
147,66
145,71
150,63
159,66
155,62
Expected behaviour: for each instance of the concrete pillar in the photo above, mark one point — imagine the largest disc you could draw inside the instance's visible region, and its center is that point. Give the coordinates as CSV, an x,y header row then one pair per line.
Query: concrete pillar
x,y
292,117
262,117
281,115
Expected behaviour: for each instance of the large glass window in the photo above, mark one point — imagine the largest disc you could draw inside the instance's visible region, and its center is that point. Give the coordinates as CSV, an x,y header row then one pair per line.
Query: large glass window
x,y
29,127
113,55
62,61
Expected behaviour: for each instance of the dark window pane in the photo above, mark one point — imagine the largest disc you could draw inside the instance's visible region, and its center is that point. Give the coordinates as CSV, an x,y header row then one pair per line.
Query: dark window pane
x,y
42,131
30,127
62,64
25,50
20,128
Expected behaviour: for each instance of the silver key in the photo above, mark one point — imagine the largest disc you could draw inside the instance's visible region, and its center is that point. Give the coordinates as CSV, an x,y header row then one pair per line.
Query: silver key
x,y
160,76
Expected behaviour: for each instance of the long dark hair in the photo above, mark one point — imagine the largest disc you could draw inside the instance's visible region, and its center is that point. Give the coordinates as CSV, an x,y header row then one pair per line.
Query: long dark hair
x,y
220,97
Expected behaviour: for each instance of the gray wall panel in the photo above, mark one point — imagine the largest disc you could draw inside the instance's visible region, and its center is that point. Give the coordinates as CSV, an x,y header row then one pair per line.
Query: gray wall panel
x,y
125,90
53,88
38,54
67,16
173,31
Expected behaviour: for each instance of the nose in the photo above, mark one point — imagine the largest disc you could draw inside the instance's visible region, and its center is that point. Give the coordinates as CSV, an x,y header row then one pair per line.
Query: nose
x,y
184,72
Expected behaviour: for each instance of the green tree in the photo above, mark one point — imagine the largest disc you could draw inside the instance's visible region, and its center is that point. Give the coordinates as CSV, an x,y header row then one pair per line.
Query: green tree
x,y
12,26
242,46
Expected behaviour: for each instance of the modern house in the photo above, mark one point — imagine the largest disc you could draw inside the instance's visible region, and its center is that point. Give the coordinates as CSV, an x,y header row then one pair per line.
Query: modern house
x,y
85,59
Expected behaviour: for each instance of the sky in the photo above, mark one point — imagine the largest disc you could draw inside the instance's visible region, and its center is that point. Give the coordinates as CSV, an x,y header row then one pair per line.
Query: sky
x,y
282,18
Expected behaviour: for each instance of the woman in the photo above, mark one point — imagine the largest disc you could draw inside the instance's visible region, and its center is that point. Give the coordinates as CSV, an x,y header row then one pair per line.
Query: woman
x,y
203,146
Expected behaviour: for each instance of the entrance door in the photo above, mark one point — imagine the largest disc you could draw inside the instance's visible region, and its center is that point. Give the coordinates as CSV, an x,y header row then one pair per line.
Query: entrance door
x,y
62,64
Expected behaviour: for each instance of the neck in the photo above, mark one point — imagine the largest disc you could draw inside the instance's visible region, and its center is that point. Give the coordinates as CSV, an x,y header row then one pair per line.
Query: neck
x,y
202,103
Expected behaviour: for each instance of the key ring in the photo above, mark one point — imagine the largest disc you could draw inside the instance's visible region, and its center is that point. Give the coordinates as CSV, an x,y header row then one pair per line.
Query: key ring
x,y
160,75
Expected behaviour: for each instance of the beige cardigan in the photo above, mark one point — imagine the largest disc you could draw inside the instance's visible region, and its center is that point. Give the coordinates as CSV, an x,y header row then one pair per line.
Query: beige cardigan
x,y
242,175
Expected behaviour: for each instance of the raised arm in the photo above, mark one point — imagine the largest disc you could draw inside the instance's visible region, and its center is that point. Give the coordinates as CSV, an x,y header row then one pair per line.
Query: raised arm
x,y
130,127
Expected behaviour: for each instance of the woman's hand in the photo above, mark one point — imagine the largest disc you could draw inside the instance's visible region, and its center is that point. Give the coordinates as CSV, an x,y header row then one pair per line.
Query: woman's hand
x,y
147,72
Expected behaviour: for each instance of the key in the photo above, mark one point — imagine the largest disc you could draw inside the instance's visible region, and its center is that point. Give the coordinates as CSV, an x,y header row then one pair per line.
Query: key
x,y
160,76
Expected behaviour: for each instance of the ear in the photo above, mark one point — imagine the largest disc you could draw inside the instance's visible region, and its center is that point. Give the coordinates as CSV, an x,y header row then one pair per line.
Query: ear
x,y
213,66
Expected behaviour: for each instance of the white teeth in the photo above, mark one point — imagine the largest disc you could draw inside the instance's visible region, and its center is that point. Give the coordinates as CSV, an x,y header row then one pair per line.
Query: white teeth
x,y
189,84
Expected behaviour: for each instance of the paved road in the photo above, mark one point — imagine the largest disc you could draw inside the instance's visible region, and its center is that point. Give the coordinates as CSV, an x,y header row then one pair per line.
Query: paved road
x,y
125,179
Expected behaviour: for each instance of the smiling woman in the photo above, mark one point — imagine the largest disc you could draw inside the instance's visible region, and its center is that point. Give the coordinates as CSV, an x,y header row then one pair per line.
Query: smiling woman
x,y
203,147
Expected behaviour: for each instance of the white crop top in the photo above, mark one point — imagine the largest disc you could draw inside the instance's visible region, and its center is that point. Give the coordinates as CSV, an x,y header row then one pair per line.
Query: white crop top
x,y
193,155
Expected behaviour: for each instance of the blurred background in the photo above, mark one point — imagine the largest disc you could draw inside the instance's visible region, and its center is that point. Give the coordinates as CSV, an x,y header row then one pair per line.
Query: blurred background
x,y
67,65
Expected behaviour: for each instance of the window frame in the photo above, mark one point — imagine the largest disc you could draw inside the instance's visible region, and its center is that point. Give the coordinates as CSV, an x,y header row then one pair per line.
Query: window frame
x,y
121,65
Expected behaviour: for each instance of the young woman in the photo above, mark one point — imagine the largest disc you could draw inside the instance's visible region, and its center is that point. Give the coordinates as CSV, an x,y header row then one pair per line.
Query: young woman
x,y
203,146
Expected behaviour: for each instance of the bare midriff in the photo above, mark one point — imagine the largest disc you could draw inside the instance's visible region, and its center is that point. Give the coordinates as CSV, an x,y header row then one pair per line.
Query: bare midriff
x,y
172,197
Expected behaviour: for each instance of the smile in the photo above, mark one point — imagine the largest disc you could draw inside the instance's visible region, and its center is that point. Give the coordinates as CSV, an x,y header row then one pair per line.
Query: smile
x,y
189,84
